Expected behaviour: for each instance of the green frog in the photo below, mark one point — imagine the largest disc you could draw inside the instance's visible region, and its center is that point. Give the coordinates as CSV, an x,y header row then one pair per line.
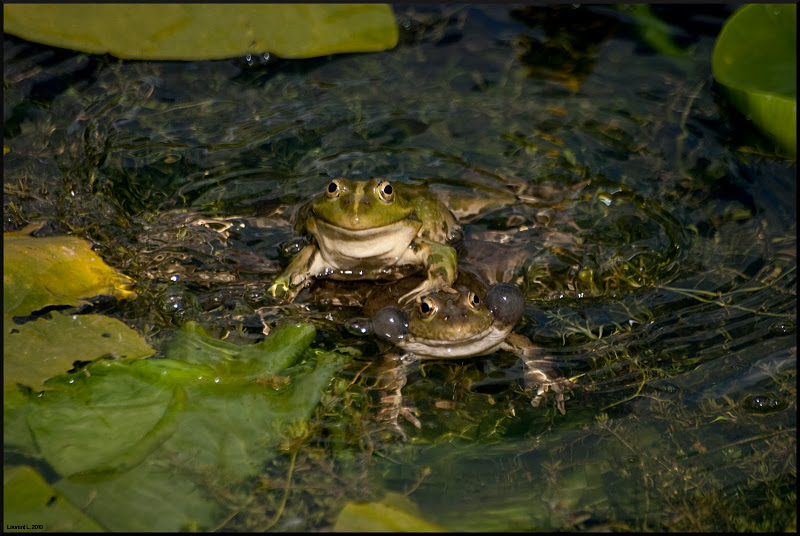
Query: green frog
x,y
475,320
373,230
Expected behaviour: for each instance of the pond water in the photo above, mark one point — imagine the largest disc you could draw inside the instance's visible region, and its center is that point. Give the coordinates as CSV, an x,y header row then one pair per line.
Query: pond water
x,y
660,233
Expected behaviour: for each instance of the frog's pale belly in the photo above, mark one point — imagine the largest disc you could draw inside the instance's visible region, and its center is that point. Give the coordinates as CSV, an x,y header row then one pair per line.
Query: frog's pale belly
x,y
478,344
365,250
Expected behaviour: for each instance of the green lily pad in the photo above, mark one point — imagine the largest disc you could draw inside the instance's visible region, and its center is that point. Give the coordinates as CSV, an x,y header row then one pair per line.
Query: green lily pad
x,y
27,498
37,351
755,60
169,444
56,270
205,31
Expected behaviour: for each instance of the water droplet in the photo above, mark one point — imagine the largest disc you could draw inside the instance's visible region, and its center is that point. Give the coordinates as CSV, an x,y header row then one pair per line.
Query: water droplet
x,y
254,295
782,327
667,387
764,403
293,247
176,303
359,326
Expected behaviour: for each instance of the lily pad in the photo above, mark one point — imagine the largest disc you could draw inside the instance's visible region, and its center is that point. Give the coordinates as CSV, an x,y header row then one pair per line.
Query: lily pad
x,y
395,513
755,60
37,351
56,270
154,444
28,498
205,31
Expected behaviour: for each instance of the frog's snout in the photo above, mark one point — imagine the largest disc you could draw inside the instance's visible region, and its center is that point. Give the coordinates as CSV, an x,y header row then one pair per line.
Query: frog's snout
x,y
390,323
506,303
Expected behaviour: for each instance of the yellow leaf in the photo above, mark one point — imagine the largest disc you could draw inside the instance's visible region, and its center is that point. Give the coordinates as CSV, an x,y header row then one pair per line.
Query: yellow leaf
x,y
28,499
205,31
394,514
56,270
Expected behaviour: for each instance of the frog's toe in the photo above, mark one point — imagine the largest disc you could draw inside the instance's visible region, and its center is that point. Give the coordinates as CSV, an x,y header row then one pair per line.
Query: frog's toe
x,y
393,408
282,290
407,411
279,286
545,381
426,287
408,296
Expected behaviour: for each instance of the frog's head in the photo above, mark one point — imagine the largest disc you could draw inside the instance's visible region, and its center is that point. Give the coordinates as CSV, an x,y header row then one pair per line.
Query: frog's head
x,y
453,325
358,205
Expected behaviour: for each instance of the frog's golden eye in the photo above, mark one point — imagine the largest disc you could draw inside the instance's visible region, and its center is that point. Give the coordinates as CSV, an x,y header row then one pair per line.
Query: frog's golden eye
x,y
385,192
473,300
334,188
427,307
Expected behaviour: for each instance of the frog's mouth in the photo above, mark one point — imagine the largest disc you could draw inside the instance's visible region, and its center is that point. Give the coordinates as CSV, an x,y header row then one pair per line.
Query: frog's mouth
x,y
482,343
345,246
355,230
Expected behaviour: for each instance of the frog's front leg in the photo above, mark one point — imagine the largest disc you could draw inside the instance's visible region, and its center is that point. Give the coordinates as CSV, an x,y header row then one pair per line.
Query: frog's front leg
x,y
440,264
541,374
391,379
305,264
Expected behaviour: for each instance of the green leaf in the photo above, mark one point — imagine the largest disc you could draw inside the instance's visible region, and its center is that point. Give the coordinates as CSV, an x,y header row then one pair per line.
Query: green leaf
x,y
152,445
205,31
37,351
755,60
267,357
654,31
28,499
56,270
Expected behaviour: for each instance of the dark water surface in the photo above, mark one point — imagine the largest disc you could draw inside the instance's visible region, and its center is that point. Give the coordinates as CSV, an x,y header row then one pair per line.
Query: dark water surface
x,y
661,233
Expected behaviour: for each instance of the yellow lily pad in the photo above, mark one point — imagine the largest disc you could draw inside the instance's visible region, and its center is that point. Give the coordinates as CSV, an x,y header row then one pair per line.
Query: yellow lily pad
x,y
205,31
28,499
395,513
37,351
56,270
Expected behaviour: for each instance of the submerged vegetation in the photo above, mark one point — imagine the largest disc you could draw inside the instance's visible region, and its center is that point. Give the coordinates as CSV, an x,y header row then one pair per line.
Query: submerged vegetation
x,y
659,238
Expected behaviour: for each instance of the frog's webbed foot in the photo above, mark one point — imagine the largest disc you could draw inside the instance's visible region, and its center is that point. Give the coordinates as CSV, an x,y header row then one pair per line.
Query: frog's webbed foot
x,y
426,287
441,267
545,376
390,383
283,290
297,275
393,408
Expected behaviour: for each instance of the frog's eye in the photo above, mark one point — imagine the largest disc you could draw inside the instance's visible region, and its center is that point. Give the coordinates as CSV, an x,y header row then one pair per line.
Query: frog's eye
x,y
427,307
334,188
385,192
473,300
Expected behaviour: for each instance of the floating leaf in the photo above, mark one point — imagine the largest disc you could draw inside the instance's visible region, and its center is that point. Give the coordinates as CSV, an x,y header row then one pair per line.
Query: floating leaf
x,y
205,31
269,356
755,60
655,32
27,498
395,513
56,270
147,444
36,351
